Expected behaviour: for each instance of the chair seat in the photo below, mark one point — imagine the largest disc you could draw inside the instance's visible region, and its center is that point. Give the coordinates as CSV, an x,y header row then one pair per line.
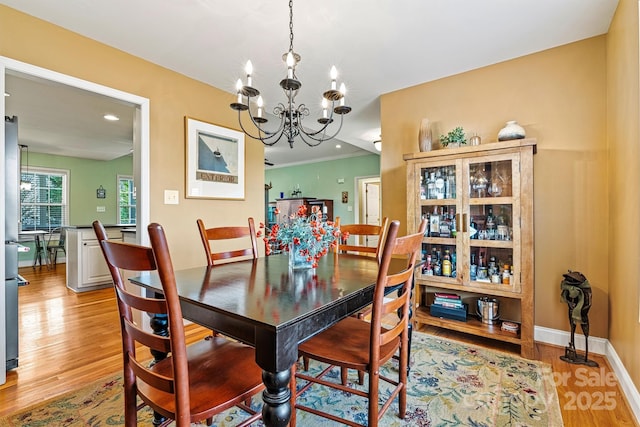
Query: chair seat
x,y
354,335
209,362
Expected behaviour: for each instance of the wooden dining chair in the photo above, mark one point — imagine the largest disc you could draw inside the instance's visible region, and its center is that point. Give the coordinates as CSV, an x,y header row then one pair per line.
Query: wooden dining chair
x,y
192,383
228,233
365,346
364,232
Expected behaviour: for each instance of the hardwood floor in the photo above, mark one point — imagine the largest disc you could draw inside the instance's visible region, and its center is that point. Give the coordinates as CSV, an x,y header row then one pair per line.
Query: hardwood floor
x,y
68,340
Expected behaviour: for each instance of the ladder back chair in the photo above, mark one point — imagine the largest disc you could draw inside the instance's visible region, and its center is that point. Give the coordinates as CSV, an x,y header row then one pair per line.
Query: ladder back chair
x,y
192,383
363,231
228,233
365,346
54,247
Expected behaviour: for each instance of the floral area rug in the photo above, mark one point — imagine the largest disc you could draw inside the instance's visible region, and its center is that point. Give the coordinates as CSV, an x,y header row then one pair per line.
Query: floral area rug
x,y
450,384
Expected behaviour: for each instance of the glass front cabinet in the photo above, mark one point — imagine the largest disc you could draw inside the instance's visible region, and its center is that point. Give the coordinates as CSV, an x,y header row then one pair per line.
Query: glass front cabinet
x,y
477,254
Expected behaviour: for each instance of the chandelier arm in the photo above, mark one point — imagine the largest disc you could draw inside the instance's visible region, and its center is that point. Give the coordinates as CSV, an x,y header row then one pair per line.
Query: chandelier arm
x,y
263,139
312,135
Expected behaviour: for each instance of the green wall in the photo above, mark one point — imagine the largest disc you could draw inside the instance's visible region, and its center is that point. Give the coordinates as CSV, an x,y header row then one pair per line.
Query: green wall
x,y
85,176
320,180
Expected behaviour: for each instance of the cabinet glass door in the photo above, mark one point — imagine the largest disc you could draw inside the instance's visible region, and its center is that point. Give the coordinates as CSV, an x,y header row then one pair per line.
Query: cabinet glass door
x,y
492,222
439,194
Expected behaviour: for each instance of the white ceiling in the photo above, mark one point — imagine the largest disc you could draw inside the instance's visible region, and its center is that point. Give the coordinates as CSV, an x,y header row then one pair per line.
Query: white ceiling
x,y
378,46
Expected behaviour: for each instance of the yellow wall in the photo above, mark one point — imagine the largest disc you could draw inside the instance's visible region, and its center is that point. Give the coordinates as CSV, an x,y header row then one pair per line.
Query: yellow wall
x,y
558,96
172,97
623,112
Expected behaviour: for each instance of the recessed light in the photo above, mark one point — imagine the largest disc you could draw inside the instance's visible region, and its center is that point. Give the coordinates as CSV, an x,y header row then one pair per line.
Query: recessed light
x,y
338,146
111,117
7,94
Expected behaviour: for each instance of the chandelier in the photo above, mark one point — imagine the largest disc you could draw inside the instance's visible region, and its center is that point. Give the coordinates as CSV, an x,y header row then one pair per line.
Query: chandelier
x,y
291,114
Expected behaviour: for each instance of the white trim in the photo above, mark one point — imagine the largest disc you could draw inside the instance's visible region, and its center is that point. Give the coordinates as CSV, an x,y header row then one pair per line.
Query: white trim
x,y
600,346
140,147
318,160
562,338
3,321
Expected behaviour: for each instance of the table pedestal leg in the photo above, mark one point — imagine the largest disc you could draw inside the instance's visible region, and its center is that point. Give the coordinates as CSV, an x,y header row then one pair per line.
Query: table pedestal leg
x,y
276,410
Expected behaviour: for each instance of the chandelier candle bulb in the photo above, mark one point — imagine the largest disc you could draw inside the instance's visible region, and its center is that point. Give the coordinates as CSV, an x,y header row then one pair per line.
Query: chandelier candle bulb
x,y
260,105
238,90
249,70
334,75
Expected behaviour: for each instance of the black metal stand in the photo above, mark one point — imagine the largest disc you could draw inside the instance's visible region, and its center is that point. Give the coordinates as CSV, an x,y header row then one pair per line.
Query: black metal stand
x,y
576,292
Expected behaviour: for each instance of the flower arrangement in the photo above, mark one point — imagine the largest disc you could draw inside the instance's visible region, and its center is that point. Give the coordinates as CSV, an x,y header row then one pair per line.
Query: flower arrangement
x,y
309,235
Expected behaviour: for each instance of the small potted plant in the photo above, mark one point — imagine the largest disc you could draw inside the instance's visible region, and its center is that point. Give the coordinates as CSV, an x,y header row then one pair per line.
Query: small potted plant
x,y
455,137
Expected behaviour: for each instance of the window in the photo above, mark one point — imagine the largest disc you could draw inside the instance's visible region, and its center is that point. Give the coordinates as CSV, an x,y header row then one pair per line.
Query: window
x,y
126,200
43,203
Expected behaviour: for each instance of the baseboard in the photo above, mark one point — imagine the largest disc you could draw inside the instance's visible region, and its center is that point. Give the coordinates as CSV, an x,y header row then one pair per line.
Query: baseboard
x,y
600,346
562,339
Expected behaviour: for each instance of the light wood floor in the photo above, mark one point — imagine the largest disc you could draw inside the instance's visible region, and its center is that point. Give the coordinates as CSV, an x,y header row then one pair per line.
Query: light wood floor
x,y
68,340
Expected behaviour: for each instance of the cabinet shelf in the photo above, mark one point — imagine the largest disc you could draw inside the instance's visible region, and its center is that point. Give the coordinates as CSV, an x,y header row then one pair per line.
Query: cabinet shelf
x,y
481,288
471,326
473,175
491,243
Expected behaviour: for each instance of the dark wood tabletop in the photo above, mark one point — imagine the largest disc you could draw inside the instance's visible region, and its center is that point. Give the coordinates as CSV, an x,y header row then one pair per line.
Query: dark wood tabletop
x,y
263,303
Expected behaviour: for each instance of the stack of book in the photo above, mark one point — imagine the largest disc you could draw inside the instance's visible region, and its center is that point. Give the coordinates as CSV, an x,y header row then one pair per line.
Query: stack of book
x,y
448,306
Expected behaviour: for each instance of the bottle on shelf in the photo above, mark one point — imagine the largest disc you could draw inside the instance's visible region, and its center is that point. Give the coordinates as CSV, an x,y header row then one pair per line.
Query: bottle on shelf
x,y
434,223
446,264
431,186
439,185
506,275
491,224
473,269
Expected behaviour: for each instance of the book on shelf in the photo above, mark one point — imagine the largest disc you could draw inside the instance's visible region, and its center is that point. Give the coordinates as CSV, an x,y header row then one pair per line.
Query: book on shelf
x,y
449,303
447,295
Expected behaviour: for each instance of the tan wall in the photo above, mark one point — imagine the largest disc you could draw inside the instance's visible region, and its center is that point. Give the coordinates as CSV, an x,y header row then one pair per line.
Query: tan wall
x,y
559,97
623,112
172,97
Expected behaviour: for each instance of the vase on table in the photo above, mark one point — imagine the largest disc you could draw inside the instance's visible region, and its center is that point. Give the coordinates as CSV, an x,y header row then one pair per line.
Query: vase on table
x,y
298,260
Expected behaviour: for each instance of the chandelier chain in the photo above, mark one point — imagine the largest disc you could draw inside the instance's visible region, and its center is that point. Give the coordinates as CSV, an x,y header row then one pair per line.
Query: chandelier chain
x,y
289,114
291,26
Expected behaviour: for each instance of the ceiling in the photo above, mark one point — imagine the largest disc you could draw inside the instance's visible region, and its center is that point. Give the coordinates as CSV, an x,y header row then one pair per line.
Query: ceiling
x,y
377,47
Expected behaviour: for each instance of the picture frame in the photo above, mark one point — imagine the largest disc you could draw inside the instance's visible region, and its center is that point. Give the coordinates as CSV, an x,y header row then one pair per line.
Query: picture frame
x,y
215,161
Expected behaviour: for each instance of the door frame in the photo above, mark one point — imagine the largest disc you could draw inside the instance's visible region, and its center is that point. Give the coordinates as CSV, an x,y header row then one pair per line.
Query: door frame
x,y
140,156
359,185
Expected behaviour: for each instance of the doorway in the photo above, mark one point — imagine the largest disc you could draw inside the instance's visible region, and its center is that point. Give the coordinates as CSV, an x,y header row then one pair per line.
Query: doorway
x,y
140,153
369,205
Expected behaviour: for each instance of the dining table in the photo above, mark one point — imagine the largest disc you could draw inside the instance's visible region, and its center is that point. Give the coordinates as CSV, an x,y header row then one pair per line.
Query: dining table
x,y
40,249
265,304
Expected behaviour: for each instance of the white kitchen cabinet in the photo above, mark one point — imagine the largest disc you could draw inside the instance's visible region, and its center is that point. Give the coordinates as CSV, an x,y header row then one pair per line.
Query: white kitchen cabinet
x,y
86,268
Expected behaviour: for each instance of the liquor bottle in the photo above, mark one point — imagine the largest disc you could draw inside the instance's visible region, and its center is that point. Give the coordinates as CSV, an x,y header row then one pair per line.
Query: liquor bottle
x,y
439,185
431,186
452,182
434,223
423,189
506,275
446,264
473,271
491,225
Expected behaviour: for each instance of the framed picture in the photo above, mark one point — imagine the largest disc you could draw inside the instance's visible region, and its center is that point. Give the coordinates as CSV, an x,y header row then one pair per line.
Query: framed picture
x,y
215,161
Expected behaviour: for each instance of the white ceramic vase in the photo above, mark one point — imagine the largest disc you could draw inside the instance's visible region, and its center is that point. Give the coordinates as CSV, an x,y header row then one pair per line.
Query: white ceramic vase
x,y
424,135
511,131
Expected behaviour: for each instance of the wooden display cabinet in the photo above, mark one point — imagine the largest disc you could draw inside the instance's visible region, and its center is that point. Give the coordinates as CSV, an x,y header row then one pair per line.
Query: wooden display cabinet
x,y
479,202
